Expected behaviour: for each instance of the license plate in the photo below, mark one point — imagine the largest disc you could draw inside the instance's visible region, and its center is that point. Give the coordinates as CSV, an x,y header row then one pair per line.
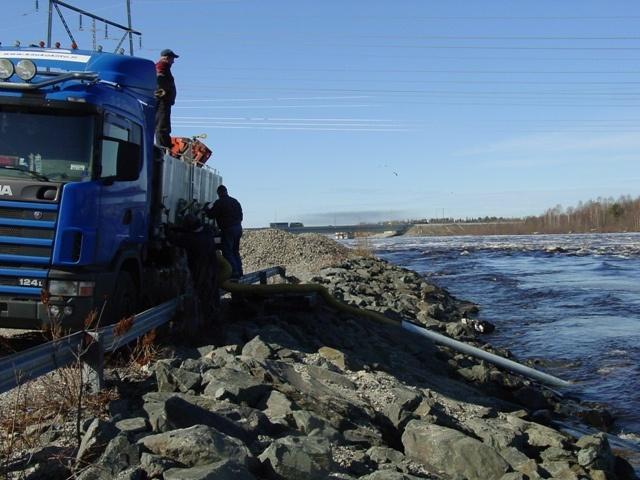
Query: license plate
x,y
31,282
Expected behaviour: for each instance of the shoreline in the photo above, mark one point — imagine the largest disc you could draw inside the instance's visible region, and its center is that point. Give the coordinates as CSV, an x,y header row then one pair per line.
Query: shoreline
x,y
298,390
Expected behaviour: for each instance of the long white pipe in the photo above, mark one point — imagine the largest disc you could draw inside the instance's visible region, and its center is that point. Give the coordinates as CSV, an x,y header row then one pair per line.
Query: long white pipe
x,y
489,357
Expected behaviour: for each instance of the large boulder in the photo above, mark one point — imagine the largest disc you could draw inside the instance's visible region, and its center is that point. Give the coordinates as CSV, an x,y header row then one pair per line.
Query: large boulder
x,y
452,452
223,470
197,445
299,458
234,385
98,434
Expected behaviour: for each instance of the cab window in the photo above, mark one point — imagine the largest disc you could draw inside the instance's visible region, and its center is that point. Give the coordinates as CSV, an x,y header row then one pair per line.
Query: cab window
x,y
116,130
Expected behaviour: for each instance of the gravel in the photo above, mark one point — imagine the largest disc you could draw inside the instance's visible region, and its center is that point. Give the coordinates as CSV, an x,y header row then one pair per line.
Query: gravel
x,y
302,255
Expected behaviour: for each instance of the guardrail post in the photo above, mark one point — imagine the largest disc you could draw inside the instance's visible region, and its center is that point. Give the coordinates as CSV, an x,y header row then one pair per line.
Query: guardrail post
x,y
92,358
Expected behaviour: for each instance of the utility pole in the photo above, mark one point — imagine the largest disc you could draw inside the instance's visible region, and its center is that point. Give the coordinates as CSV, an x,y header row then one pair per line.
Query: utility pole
x,y
127,29
130,35
49,23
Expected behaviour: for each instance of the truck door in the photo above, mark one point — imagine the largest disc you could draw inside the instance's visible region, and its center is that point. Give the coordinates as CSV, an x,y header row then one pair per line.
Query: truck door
x,y
122,203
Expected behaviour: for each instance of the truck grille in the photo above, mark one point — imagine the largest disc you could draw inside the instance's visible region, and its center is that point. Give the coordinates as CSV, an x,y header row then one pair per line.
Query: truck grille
x,y
26,244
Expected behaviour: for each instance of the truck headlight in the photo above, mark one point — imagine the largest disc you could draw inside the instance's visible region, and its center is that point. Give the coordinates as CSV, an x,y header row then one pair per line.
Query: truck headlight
x,y
26,70
6,69
63,288
69,288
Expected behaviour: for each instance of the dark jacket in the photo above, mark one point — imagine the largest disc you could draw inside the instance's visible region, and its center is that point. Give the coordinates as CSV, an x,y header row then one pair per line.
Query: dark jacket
x,y
226,211
166,82
201,255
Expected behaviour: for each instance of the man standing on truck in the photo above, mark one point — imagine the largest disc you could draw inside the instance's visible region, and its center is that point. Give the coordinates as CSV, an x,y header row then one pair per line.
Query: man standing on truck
x,y
227,213
165,97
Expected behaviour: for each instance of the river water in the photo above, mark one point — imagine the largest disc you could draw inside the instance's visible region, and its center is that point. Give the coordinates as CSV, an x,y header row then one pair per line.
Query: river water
x,y
573,300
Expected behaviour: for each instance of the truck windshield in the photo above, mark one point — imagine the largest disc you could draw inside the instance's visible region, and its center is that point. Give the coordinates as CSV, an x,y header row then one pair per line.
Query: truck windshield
x,y
47,147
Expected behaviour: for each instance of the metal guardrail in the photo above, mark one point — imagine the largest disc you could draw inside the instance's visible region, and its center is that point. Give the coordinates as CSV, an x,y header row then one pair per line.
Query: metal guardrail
x,y
261,275
42,359
37,361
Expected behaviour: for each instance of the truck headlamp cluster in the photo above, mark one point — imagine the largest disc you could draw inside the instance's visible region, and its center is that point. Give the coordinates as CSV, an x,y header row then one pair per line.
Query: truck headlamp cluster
x,y
6,69
69,288
26,70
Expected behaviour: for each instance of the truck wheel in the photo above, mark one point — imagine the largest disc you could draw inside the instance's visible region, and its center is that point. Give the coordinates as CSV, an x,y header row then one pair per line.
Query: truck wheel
x,y
124,301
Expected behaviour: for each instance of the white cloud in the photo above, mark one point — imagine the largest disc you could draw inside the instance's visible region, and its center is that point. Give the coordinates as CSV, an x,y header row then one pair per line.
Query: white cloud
x,y
555,143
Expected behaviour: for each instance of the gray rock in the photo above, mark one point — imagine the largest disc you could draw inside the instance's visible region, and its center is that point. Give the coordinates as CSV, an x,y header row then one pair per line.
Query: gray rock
x,y
400,410
119,455
133,426
133,473
277,337
382,455
279,407
257,349
234,385
299,458
365,436
336,357
197,445
478,373
389,475
513,476
595,452
495,433
98,435
513,457
155,465
179,412
553,454
172,379
223,470
310,424
221,356
537,435
157,416
452,451
91,473
329,378
564,471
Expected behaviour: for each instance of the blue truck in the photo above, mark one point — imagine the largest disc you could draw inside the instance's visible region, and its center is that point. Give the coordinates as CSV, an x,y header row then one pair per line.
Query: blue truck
x,y
84,192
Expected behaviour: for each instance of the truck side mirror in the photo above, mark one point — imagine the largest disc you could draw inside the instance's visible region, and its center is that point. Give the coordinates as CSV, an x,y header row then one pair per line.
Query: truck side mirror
x,y
128,162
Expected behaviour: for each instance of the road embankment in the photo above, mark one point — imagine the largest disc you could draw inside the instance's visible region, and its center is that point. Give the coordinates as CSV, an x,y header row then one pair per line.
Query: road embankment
x,y
298,390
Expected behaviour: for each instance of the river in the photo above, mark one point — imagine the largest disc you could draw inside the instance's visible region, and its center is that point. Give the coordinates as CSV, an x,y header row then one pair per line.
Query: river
x,y
572,300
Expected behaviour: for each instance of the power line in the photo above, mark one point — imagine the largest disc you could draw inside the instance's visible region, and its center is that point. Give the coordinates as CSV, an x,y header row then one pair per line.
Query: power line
x,y
572,93
451,81
390,70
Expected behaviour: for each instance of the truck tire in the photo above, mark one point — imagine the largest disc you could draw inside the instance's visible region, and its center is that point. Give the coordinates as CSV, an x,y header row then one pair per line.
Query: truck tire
x,y
124,301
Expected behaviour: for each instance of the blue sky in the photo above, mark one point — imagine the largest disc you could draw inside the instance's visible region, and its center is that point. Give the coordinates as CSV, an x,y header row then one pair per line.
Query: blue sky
x,y
342,111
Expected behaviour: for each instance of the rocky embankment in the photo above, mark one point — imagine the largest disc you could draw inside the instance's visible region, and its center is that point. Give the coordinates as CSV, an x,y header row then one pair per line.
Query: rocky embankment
x,y
301,391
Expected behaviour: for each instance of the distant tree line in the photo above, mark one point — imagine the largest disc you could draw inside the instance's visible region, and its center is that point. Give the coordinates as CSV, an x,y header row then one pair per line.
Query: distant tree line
x,y
600,215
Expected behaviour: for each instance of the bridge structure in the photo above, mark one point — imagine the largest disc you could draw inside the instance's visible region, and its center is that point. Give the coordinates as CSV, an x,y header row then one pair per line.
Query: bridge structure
x,y
395,229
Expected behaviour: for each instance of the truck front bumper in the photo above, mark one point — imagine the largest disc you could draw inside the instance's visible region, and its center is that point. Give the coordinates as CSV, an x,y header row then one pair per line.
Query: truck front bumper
x,y
34,315
70,311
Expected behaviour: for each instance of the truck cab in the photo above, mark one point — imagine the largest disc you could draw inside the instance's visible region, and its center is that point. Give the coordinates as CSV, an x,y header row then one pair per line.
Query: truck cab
x,y
81,184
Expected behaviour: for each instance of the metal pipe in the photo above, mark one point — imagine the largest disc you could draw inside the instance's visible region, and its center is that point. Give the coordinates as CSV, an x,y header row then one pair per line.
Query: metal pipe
x,y
483,355
89,76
